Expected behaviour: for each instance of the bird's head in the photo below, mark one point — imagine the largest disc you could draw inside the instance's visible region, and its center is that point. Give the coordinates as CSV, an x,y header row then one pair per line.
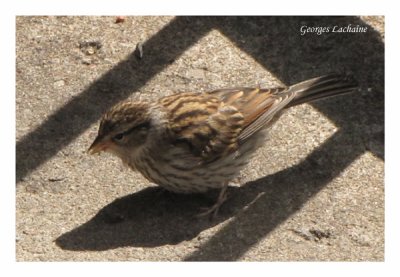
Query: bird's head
x,y
123,129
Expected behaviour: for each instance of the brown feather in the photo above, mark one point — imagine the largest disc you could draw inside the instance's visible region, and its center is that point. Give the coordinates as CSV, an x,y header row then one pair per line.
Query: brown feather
x,y
204,124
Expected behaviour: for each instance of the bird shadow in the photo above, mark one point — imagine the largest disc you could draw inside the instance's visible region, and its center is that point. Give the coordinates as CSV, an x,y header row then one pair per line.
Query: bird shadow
x,y
153,217
149,218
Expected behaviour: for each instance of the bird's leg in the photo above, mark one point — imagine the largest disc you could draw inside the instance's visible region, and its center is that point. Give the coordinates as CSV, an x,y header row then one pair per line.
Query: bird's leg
x,y
214,208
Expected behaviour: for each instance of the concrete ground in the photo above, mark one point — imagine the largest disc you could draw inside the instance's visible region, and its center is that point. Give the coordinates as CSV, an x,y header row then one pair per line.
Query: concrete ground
x,y
314,192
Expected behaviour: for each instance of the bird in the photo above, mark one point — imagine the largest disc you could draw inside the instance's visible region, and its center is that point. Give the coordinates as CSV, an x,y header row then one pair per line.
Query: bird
x,y
192,142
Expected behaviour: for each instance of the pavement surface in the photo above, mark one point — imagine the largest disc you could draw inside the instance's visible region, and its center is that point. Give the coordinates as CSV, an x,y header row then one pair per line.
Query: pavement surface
x,y
313,192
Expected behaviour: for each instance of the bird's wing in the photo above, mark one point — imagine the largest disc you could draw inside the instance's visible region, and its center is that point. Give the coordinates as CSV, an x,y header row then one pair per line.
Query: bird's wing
x,y
216,123
202,127
257,106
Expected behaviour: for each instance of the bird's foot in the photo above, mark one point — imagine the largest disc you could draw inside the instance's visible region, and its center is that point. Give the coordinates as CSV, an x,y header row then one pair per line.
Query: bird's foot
x,y
213,210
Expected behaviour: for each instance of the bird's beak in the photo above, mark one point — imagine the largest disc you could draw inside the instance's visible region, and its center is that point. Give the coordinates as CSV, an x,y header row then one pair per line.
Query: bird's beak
x,y
97,146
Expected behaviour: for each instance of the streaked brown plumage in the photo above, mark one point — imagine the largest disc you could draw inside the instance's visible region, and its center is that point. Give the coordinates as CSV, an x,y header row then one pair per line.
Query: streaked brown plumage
x,y
192,142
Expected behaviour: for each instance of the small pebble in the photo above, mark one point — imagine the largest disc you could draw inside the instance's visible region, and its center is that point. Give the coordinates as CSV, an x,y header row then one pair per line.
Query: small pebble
x,y
90,51
59,83
90,47
86,61
139,50
120,19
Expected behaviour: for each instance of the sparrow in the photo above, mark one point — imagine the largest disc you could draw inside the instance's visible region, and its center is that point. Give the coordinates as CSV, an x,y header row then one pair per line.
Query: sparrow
x,y
193,142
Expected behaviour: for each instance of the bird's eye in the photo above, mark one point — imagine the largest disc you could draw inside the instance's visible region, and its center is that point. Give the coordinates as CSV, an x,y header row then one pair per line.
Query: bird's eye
x,y
119,136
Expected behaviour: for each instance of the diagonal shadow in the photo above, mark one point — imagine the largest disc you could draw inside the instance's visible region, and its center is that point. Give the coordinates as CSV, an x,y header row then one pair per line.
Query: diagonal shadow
x,y
117,84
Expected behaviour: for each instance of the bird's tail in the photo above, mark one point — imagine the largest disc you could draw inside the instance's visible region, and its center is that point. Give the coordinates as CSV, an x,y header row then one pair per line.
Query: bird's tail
x,y
321,87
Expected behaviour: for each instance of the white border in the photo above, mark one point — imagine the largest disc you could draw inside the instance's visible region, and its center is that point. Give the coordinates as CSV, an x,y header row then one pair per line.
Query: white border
x,y
203,7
